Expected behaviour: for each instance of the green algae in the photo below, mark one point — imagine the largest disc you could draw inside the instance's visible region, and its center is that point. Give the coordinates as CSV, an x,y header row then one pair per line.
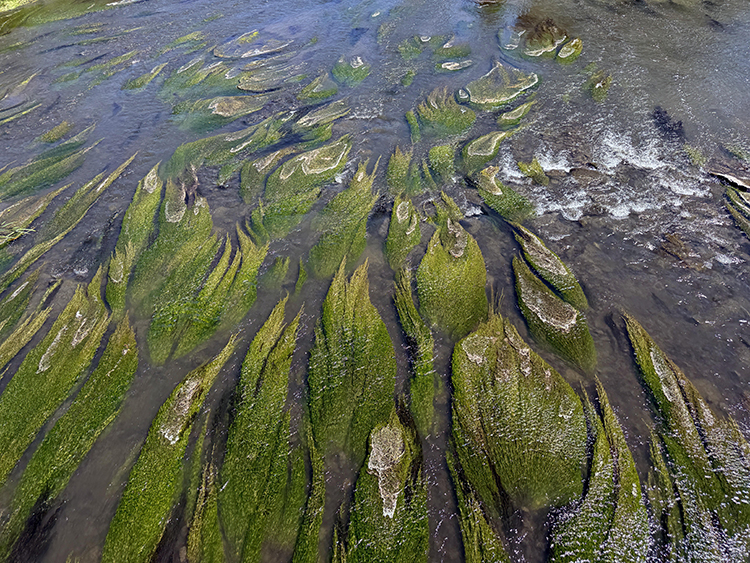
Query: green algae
x,y
144,79
306,547
22,334
440,115
451,280
442,162
598,85
415,133
512,118
319,89
154,482
56,133
403,176
508,203
408,78
411,48
534,171
552,321
422,384
62,222
350,73
707,456
207,114
263,476
570,51
519,431
293,187
550,268
480,151
205,543
16,218
301,278
73,435
254,173
739,207
404,232
498,87
352,368
274,276
388,519
50,370
343,225
452,50
321,116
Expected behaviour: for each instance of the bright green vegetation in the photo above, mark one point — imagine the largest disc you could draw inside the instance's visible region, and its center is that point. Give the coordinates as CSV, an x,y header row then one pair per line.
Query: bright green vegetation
x,y
301,277
452,50
519,431
739,207
388,520
451,278
73,435
254,173
543,38
352,369
23,333
403,176
306,548
611,523
189,43
552,321
411,48
205,543
207,114
534,171
570,51
274,276
404,232
56,133
343,225
480,151
415,133
316,125
422,384
442,163
550,268
498,87
45,170
440,115
293,187
695,154
701,463
13,306
16,218
144,79
263,476
598,85
350,73
155,480
408,78
137,227
319,89
199,79
512,118
63,221
508,203
49,372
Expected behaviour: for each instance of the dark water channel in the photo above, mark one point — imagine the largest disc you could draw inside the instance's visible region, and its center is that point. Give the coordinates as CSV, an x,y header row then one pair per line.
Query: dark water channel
x,y
644,228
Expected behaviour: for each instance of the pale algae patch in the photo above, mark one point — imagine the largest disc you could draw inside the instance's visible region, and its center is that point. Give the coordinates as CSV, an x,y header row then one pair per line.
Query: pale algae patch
x,y
519,434
480,151
155,480
501,85
552,321
700,470
263,475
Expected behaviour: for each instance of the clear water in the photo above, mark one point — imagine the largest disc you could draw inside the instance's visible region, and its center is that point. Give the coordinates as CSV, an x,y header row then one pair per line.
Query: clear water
x,y
619,186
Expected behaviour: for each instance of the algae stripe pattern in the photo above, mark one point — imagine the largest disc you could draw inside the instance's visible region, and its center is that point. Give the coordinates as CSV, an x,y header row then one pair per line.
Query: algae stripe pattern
x,y
65,446
49,372
154,482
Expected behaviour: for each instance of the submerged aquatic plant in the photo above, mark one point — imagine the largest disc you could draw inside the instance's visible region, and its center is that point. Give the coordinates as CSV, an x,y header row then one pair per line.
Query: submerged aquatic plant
x,y
352,72
404,232
508,203
498,87
534,171
480,151
403,176
154,482
441,116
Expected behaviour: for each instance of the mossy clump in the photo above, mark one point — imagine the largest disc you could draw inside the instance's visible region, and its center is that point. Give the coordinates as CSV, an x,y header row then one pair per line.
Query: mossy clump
x,y
610,523
569,52
441,116
155,481
415,132
207,114
388,519
452,49
350,73
423,381
404,232
442,165
352,369
537,38
145,79
480,151
534,171
408,78
451,280
695,154
263,475
512,118
50,371
319,89
403,176
273,278
511,205
552,321
294,186
56,133
343,225
706,458
73,435
253,173
519,431
598,85
412,47
550,268
16,219
498,87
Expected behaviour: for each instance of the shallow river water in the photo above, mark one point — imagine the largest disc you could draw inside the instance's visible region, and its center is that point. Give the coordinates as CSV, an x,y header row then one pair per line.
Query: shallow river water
x,y
633,204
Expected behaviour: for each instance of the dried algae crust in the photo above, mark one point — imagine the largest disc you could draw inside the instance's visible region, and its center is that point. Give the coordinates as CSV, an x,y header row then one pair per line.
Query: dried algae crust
x,y
156,478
